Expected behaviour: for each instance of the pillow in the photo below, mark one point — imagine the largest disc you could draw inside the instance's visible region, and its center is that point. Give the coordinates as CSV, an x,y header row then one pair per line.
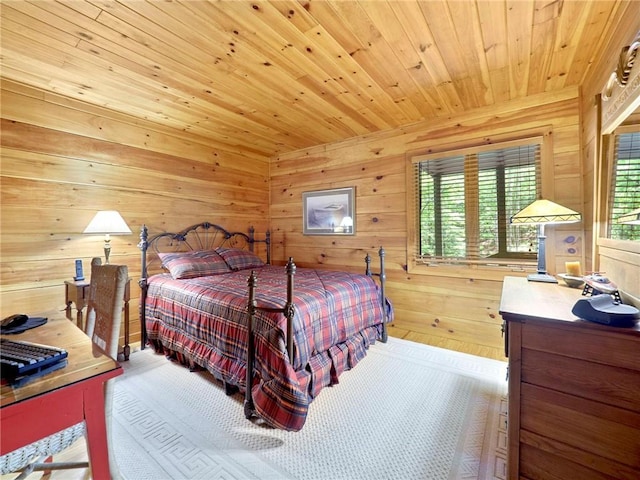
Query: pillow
x,y
201,263
238,259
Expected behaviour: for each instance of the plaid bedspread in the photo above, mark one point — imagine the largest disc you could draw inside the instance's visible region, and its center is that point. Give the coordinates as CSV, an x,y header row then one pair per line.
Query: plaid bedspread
x,y
204,320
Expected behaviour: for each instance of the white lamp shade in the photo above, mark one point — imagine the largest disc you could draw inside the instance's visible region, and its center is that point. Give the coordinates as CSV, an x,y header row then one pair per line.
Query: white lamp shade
x,y
346,222
108,222
545,211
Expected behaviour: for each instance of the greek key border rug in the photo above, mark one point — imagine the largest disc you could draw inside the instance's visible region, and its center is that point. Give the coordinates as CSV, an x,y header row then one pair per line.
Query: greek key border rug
x,y
407,411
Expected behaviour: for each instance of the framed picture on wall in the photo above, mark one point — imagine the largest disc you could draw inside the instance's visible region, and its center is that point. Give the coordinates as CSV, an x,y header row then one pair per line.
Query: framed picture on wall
x,y
329,212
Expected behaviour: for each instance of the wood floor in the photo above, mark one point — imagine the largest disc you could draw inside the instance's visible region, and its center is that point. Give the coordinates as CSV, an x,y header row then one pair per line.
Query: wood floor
x,y
78,451
449,344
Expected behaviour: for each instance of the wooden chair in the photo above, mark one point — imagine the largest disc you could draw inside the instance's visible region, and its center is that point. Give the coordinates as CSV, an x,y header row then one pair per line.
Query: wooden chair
x,y
102,325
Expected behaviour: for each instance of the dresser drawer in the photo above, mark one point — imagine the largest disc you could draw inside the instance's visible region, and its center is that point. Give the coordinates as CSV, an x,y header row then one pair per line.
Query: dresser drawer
x,y
542,460
619,387
581,429
593,343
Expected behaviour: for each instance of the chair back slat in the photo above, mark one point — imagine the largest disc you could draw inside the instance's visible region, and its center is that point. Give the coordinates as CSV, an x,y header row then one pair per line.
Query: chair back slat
x,y
105,304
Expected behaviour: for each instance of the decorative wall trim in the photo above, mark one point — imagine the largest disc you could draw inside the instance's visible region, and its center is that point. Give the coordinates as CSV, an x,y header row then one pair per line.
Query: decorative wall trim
x,y
621,94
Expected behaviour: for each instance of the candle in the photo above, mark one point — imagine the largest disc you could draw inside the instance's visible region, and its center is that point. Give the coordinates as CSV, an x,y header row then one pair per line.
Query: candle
x,y
573,269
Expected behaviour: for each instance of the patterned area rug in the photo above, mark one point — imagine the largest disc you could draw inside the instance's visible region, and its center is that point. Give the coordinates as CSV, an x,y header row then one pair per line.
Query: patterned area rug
x,y
407,411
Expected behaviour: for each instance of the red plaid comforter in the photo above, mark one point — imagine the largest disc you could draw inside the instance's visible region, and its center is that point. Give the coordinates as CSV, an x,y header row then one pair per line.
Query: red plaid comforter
x,y
204,320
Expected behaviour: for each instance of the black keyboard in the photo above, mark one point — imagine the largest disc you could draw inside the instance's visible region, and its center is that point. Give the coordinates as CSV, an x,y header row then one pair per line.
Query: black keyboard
x,y
22,361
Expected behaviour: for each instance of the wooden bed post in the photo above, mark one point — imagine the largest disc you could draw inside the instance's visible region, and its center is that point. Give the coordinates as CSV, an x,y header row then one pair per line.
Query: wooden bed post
x,y
143,286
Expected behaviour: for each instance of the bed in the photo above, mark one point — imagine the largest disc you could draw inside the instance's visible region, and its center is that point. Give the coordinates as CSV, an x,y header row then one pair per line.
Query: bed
x,y
211,299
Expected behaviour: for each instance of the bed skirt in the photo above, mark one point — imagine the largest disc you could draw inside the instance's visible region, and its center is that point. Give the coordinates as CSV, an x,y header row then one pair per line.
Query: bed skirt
x,y
322,370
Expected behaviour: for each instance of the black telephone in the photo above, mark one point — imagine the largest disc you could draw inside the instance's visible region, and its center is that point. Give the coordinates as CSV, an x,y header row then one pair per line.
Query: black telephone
x,y
604,309
79,274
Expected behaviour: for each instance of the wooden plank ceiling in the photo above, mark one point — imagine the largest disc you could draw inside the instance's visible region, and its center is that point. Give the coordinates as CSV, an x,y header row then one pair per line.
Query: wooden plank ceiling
x,y
274,76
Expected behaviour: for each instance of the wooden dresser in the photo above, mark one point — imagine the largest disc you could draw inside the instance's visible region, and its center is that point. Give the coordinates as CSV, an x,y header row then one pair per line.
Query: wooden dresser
x,y
574,388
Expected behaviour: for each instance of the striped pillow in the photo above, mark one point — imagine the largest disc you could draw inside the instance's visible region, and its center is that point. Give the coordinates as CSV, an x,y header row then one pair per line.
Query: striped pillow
x,y
201,263
238,259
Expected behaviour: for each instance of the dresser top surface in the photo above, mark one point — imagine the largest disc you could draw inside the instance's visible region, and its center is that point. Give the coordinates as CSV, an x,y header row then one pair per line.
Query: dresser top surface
x,y
523,300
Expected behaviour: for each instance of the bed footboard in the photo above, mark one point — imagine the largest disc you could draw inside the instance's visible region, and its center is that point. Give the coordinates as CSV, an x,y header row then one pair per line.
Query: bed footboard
x,y
288,310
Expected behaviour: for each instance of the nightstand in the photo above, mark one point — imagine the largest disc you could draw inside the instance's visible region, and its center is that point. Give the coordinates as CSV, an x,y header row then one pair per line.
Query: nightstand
x,y
78,293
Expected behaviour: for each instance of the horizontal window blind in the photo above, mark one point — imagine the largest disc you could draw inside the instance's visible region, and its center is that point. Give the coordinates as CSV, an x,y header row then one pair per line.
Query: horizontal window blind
x,y
625,185
465,201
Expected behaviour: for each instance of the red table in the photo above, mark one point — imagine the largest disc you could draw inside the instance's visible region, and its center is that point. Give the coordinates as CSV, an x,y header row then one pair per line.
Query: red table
x,y
62,398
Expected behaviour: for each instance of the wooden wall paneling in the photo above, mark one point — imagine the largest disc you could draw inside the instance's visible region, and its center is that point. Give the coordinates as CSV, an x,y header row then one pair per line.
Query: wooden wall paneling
x,y
163,162
62,160
23,104
443,293
623,25
27,137
374,239
348,257
456,308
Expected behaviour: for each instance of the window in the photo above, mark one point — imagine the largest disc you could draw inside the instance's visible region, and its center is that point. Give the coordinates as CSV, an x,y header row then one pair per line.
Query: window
x,y
625,185
465,199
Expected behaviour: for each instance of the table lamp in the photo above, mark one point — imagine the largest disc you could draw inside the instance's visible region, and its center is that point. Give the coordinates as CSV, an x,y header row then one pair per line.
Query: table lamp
x,y
347,224
107,222
542,212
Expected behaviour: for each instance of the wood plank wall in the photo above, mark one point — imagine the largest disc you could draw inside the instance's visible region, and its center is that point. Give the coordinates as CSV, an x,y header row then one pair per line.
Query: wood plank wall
x,y
457,304
63,160
619,260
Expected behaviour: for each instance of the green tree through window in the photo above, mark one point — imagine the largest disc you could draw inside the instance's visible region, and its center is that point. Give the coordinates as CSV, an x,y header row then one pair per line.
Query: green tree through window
x,y
625,185
465,202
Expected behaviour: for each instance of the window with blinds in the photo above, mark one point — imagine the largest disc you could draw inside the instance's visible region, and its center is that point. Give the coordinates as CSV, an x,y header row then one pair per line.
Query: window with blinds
x,y
464,202
625,185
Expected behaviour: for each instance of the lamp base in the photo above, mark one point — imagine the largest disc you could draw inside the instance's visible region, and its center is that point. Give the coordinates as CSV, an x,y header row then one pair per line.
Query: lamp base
x,y
542,277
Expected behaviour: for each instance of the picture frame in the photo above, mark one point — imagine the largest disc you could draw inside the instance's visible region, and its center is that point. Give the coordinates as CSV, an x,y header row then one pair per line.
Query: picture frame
x,y
329,212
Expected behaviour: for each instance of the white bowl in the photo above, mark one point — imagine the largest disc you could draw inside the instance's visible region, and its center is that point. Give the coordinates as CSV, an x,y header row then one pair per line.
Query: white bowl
x,y
571,281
